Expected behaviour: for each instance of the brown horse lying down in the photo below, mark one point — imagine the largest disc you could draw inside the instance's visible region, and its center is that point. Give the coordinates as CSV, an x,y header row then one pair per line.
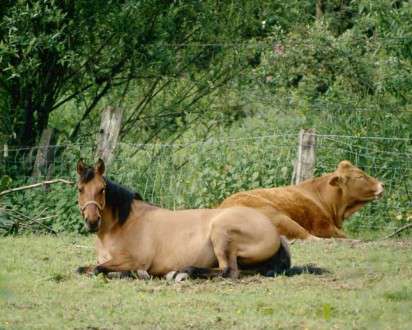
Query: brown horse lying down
x,y
316,207
133,235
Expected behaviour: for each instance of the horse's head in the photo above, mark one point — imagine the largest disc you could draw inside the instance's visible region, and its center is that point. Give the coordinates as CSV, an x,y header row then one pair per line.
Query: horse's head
x,y
91,193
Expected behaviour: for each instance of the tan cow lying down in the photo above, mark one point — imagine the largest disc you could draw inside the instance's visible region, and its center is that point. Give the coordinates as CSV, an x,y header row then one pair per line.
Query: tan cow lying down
x,y
316,207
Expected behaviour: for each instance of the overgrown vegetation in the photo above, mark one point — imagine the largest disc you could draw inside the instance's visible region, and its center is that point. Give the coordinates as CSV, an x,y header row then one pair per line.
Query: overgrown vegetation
x,y
205,71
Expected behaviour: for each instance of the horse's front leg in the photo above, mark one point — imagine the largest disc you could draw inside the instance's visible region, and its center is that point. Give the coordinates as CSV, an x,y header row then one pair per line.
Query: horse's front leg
x,y
122,265
85,270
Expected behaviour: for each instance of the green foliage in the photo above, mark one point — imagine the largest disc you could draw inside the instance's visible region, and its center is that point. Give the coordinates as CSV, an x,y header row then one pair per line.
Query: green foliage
x,y
54,52
208,71
41,211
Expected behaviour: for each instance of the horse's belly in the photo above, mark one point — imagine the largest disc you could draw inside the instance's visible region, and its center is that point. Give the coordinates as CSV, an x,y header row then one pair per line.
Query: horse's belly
x,y
177,259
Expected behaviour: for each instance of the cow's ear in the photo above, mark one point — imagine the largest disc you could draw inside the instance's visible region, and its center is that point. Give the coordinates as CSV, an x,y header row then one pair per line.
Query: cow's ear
x,y
99,167
345,165
81,166
335,180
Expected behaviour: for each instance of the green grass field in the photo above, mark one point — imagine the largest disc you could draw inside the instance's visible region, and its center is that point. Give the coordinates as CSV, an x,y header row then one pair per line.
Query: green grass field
x,y
370,286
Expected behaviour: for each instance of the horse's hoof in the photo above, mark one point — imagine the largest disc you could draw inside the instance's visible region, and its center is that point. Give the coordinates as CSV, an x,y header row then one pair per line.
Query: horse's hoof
x,y
143,275
181,277
176,276
170,276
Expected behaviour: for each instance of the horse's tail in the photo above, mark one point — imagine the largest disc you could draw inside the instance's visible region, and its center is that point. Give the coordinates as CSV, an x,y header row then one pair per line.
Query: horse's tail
x,y
281,264
282,260
278,264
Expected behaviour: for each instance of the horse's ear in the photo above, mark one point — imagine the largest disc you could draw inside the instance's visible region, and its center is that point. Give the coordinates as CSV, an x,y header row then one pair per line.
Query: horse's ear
x,y
81,166
99,167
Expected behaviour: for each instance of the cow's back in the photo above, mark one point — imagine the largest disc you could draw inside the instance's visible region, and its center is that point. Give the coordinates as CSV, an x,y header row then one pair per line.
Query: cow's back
x,y
301,205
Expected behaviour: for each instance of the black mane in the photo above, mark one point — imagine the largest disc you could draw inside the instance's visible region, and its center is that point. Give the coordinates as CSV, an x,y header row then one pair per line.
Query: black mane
x,y
120,199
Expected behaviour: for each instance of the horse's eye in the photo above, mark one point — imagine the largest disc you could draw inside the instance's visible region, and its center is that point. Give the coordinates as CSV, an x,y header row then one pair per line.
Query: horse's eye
x,y
103,190
80,189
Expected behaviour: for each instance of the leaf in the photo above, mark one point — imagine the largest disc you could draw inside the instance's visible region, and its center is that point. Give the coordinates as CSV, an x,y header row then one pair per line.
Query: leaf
x,y
30,46
5,182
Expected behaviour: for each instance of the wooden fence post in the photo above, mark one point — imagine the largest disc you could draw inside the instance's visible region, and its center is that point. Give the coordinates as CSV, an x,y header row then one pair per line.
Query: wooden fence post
x,y
305,163
44,155
5,150
109,133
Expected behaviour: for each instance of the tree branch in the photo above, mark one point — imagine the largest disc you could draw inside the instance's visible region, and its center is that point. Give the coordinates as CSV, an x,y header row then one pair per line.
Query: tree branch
x,y
71,97
89,109
40,184
396,232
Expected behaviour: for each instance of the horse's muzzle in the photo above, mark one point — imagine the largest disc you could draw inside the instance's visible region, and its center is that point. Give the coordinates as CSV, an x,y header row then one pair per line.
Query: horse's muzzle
x,y
93,227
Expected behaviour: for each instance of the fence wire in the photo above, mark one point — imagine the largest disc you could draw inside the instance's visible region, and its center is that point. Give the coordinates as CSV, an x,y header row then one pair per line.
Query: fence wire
x,y
203,173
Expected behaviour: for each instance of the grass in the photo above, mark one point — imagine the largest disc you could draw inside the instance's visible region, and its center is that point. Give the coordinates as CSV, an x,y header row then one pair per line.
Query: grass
x,y
369,287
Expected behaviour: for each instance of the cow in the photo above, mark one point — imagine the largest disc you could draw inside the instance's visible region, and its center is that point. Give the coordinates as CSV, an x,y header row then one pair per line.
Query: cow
x,y
315,208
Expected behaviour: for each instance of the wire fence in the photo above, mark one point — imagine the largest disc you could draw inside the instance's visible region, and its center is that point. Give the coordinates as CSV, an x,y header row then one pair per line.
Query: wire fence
x,y
203,173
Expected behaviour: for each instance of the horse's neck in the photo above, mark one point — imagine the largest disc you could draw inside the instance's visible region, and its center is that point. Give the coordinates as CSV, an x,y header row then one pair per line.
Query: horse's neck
x,y
109,221
330,197
138,212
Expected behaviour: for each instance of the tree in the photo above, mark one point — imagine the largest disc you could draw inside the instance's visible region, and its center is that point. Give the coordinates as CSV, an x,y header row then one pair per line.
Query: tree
x,y
54,52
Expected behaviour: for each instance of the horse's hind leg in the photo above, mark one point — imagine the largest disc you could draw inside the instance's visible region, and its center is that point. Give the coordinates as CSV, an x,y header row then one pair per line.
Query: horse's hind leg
x,y
193,273
225,253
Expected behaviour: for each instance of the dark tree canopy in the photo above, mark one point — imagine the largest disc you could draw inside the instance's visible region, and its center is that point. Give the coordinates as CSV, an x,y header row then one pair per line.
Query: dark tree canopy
x,y
53,52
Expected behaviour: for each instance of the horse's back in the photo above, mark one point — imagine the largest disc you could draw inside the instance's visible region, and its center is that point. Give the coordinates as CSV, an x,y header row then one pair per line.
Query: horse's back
x,y
244,218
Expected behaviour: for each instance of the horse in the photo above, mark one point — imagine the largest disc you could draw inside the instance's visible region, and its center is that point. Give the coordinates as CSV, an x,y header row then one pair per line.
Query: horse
x,y
136,236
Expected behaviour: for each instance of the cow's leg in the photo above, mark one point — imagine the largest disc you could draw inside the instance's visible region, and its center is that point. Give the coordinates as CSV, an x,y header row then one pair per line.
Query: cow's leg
x,y
338,233
285,225
327,230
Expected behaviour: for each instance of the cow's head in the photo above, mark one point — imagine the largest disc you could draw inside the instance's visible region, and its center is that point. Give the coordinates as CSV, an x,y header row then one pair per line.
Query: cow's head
x,y
356,185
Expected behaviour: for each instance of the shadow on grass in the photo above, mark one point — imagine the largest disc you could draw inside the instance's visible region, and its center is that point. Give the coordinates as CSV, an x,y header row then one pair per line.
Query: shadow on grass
x,y
306,269
205,273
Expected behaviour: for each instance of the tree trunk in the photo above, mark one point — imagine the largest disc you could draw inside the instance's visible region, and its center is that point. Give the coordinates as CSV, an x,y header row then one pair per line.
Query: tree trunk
x,y
320,9
44,156
28,135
